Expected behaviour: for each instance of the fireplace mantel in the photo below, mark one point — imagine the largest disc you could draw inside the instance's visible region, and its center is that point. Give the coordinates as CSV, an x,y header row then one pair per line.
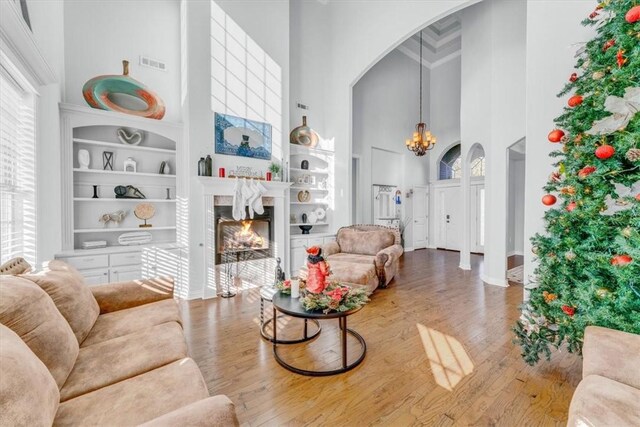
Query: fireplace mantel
x,y
202,228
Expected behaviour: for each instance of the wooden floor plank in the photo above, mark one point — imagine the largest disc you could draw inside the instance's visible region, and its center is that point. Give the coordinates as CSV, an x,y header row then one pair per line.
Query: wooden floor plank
x,y
439,352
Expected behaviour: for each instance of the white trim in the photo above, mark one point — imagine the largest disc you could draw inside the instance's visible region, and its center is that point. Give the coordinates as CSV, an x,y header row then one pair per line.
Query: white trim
x,y
464,266
446,59
411,249
18,43
494,281
512,253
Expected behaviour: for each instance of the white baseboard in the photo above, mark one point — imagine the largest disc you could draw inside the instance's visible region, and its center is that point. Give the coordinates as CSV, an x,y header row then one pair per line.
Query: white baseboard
x,y
495,281
409,249
464,266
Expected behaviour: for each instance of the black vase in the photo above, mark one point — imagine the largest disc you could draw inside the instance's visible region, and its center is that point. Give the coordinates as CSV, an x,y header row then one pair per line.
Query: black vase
x,y
304,165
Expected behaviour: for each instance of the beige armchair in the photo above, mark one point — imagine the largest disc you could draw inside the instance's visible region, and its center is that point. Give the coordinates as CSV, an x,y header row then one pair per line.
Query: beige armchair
x,y
357,248
609,393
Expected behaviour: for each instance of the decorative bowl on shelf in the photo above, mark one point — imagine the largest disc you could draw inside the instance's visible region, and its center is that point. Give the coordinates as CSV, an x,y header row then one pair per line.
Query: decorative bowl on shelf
x,y
305,228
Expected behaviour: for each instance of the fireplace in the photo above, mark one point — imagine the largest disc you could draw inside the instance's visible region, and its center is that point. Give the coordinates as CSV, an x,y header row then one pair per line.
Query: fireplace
x,y
243,240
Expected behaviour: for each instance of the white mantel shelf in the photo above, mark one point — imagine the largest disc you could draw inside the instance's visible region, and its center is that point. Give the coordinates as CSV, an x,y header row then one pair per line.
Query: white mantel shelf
x,y
224,186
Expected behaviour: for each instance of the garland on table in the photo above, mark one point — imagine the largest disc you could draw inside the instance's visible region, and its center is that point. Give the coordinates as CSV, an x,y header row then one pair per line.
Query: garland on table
x,y
335,297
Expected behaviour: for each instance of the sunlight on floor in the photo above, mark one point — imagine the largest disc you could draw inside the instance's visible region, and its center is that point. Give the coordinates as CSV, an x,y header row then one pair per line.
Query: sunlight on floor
x,y
449,361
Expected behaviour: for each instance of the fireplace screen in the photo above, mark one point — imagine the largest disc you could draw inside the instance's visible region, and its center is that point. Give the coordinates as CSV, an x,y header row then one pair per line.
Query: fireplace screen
x,y
240,236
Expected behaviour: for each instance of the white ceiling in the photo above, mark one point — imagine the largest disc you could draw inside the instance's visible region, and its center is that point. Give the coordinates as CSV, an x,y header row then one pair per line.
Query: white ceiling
x,y
441,42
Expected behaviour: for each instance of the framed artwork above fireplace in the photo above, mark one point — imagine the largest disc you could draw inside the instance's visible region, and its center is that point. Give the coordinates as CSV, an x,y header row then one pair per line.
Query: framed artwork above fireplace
x,y
235,136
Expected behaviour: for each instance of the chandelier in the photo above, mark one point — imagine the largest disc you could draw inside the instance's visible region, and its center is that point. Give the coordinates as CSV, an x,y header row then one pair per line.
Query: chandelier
x,y
422,139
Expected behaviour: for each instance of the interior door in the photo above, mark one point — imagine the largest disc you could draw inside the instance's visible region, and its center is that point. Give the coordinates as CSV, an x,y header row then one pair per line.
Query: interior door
x,y
449,220
420,214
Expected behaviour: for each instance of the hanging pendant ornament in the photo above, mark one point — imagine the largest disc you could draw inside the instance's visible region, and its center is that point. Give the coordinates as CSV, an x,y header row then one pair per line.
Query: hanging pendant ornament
x,y
604,152
556,135
586,171
574,101
621,260
633,15
573,77
549,200
571,206
597,75
620,59
622,111
568,310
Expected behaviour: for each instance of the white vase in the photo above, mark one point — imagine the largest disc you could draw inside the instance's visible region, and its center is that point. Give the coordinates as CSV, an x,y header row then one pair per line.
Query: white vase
x,y
84,159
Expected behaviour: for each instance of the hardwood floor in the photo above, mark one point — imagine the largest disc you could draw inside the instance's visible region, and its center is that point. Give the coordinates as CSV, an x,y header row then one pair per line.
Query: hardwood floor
x,y
439,353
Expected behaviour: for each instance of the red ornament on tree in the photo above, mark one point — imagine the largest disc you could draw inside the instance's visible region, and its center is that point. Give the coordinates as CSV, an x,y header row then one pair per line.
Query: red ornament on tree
x,y
556,135
593,14
549,200
568,310
586,171
573,77
608,44
633,15
571,206
621,260
574,101
638,197
620,59
605,151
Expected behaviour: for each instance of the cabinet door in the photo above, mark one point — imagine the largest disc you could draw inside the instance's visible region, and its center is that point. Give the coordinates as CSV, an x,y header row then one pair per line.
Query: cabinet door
x,y
124,274
298,258
95,277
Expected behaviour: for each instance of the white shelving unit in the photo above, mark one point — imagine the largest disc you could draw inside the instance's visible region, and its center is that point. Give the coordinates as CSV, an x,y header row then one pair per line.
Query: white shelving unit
x,y
96,131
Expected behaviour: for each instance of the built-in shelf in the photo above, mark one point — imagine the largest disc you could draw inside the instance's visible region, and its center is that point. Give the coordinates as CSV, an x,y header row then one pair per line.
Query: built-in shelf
x,y
317,190
103,172
302,150
296,224
318,172
121,230
123,146
310,203
113,199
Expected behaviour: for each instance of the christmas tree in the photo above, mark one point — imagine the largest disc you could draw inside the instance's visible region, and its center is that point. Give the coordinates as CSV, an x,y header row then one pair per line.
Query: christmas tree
x,y
589,258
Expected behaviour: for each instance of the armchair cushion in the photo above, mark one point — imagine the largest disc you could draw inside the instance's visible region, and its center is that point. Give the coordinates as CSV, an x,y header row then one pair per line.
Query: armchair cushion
x,y
130,320
135,354
330,249
355,258
28,393
368,242
138,399
123,295
31,314
599,401
612,354
73,298
215,411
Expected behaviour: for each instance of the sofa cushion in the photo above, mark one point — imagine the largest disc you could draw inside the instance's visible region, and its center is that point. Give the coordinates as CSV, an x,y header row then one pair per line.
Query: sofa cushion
x,y
354,258
29,395
30,313
364,242
66,287
135,354
599,401
130,320
612,354
215,411
138,399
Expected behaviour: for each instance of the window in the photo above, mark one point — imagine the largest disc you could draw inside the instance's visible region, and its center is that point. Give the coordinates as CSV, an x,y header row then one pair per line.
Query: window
x,y
17,169
451,163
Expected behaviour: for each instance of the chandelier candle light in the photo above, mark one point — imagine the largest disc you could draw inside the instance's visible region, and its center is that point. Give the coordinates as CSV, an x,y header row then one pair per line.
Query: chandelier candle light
x,y
422,139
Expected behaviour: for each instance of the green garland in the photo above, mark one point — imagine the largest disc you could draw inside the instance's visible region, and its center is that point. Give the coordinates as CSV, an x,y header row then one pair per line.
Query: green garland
x,y
335,297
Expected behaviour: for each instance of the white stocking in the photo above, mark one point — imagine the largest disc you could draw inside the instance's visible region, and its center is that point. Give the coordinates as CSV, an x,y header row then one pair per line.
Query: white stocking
x,y
247,192
237,207
257,201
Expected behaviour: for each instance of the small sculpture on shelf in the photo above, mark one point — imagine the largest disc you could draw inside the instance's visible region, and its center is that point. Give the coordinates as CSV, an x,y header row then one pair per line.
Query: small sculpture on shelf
x,y
107,160
164,169
84,159
144,211
128,192
304,135
130,165
116,217
133,138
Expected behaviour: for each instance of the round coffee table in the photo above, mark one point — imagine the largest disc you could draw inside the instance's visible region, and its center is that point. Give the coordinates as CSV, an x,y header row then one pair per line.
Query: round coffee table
x,y
266,294
292,307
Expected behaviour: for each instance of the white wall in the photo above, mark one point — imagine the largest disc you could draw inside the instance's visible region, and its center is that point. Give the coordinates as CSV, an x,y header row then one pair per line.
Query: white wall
x,y
550,37
385,112
267,24
515,214
100,34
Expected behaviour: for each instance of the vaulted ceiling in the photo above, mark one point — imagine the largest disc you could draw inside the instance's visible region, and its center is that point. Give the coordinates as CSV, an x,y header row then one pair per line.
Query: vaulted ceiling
x,y
441,41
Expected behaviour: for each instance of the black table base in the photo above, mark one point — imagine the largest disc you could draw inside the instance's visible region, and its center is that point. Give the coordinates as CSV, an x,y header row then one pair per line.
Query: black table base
x,y
305,334
342,322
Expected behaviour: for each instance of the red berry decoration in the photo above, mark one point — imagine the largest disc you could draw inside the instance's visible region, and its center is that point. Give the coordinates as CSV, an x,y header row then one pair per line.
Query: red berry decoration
x,y
556,135
621,260
608,45
586,171
620,59
573,77
549,200
568,310
574,101
605,151
571,206
633,15
592,15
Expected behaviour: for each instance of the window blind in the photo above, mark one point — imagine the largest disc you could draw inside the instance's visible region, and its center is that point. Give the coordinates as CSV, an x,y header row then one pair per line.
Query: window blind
x,y
17,170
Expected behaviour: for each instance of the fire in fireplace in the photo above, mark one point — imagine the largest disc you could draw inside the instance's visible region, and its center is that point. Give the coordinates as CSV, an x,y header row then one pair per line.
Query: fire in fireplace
x,y
251,237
